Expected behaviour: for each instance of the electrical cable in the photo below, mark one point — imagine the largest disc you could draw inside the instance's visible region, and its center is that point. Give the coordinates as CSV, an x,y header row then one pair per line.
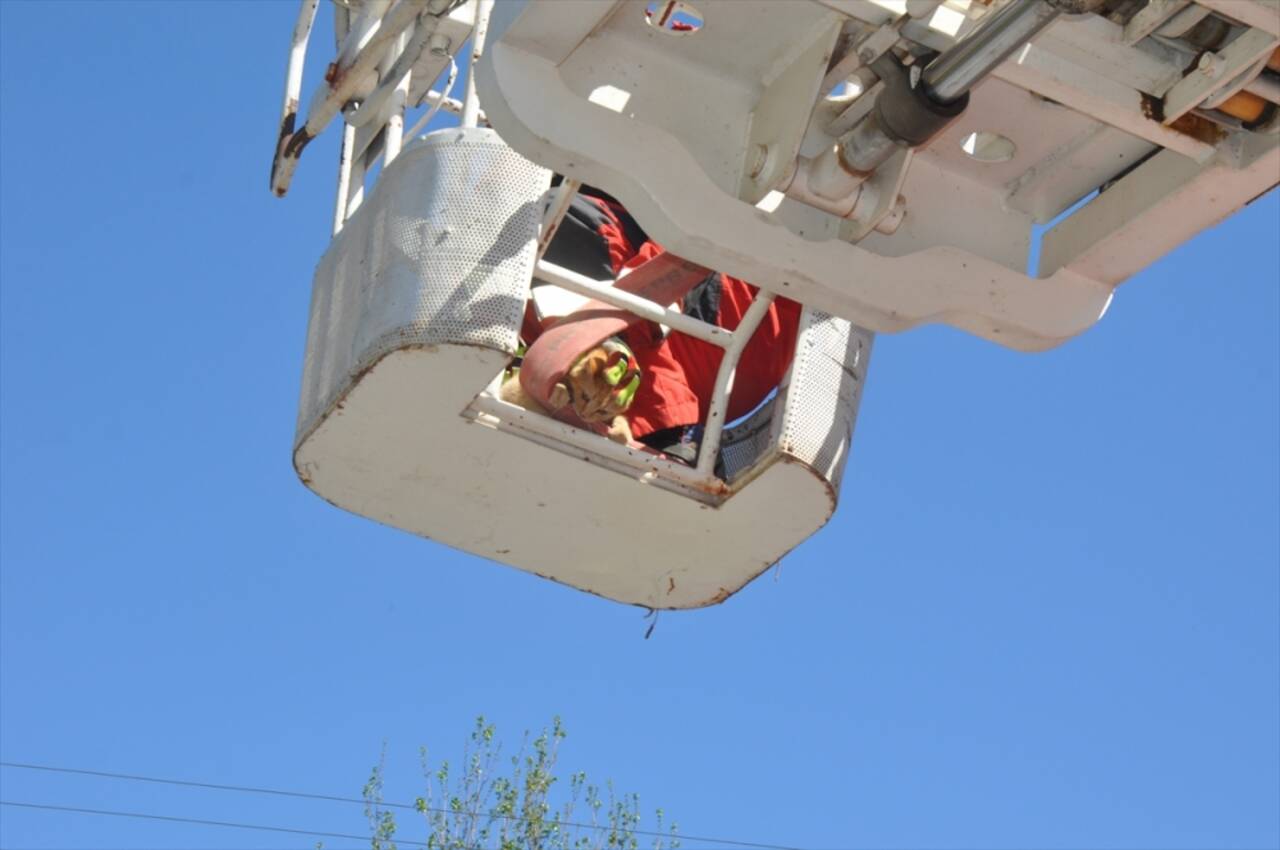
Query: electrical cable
x,y
226,824
203,822
435,107
248,789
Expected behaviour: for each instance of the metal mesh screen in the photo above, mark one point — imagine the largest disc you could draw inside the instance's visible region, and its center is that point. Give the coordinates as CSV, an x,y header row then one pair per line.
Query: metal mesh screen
x,y
821,403
442,252
743,445
812,417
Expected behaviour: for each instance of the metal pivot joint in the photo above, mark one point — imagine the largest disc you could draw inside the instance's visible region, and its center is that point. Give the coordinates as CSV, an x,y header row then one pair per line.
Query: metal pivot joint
x,y
915,106
904,115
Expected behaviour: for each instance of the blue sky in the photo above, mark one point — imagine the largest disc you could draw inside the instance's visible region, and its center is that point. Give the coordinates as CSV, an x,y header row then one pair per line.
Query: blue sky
x,y
1047,613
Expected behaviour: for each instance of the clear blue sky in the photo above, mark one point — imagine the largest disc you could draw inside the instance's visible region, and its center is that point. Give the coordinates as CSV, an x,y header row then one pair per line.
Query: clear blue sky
x,y
1045,615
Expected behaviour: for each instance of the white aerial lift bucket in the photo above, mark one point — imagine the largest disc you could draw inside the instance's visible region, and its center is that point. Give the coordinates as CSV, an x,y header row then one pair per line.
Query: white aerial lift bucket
x,y
1000,167
416,308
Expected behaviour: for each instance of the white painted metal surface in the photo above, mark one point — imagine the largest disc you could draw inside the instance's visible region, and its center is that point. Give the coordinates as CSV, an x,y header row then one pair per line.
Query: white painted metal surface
x,y
672,318
721,125
415,310
389,56
707,126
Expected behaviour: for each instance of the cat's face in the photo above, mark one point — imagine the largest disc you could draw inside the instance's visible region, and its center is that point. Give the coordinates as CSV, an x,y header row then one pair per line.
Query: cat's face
x,y
600,387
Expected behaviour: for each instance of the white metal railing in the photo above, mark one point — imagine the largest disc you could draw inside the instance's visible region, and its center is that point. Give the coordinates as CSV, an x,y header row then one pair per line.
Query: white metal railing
x,y
709,447
732,342
389,55
552,433
293,74
635,304
364,49
388,50
471,104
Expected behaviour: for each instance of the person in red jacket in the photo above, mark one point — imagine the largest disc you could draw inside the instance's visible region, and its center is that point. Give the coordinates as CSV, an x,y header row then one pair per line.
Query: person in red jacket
x,y
598,238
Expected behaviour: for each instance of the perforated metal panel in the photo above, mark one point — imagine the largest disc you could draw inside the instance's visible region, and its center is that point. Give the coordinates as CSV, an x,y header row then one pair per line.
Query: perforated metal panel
x,y
442,252
748,443
821,401
812,418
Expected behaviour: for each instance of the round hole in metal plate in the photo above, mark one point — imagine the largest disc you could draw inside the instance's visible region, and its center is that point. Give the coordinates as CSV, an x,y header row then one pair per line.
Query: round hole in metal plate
x,y
673,17
989,147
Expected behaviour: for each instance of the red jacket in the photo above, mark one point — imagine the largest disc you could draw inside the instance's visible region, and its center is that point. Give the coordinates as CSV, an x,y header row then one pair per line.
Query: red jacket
x,y
679,371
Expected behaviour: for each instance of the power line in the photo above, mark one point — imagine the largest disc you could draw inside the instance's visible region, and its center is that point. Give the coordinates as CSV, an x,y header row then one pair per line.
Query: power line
x,y
202,822
249,789
313,833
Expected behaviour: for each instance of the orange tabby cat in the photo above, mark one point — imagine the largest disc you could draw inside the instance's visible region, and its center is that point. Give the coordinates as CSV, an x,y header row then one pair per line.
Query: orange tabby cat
x,y
586,389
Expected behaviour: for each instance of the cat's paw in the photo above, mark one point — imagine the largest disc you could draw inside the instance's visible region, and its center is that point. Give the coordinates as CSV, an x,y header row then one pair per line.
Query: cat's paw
x,y
560,396
620,430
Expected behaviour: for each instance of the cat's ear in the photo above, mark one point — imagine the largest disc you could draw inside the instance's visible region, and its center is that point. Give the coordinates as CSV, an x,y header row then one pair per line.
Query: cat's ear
x,y
595,361
559,396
